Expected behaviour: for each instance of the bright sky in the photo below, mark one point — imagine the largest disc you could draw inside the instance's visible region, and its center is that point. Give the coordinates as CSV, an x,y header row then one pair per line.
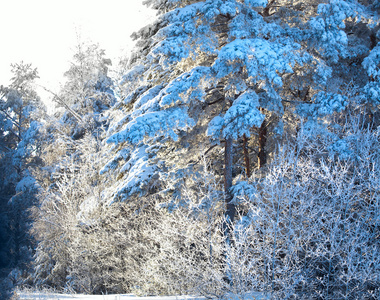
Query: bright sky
x,y
44,32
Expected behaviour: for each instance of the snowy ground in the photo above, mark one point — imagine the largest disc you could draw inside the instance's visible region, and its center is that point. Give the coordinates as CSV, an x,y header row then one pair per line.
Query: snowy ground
x,y
49,296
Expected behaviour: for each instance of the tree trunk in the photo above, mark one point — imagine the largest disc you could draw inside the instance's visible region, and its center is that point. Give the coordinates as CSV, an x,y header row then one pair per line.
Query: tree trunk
x,y
262,155
230,208
229,214
246,157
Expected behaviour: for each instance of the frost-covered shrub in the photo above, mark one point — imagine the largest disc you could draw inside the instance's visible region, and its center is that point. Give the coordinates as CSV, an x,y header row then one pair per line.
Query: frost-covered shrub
x,y
71,192
313,223
190,259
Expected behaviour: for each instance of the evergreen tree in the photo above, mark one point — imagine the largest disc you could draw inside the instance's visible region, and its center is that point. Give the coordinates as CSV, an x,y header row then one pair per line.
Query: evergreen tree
x,y
21,114
87,92
21,110
229,70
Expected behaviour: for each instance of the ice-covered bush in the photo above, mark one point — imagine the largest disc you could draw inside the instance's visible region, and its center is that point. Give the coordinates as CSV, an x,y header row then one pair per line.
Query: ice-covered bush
x,y
311,229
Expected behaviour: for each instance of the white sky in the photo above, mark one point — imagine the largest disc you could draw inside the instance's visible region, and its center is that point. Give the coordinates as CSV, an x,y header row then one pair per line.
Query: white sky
x,y
44,32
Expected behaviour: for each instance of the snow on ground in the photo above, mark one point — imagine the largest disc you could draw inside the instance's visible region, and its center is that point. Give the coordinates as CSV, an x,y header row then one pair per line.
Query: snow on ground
x,y
49,296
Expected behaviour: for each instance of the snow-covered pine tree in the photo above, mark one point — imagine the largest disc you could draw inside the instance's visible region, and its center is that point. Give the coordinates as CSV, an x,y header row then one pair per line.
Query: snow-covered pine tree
x,y
21,109
219,69
215,72
88,90
21,116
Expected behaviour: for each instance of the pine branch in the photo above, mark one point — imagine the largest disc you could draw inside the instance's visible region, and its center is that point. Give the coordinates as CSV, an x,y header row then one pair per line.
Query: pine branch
x,y
17,124
61,101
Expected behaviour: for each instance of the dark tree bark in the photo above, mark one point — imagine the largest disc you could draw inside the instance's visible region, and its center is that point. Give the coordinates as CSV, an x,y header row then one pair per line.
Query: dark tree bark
x,y
230,208
262,154
246,157
229,214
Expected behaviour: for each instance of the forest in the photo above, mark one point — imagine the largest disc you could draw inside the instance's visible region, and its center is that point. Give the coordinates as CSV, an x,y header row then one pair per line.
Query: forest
x,y
236,150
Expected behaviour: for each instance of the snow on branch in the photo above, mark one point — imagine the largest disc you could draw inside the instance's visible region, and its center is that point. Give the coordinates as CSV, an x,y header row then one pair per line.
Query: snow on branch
x,y
161,123
239,118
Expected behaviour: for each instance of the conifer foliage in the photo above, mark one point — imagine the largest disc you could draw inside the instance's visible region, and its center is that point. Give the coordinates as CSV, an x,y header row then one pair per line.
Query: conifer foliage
x,y
22,115
211,72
